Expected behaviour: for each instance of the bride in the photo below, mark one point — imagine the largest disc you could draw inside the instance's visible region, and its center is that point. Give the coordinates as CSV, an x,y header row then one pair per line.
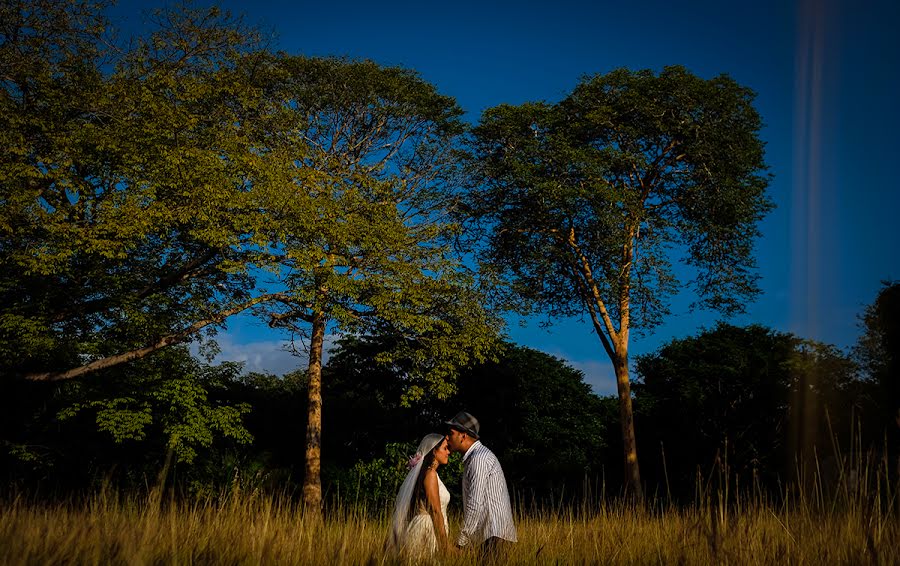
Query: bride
x,y
419,525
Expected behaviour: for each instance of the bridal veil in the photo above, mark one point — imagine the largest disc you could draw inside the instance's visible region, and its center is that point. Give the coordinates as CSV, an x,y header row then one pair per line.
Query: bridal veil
x,y
400,518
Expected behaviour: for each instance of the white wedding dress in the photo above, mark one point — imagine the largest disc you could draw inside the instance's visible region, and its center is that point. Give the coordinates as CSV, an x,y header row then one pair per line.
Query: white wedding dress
x,y
420,540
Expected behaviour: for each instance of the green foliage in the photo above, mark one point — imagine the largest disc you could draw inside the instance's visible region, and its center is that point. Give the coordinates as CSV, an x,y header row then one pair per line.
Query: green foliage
x,y
878,350
373,484
169,395
536,414
878,354
231,471
762,397
124,425
126,216
364,401
539,417
376,173
585,199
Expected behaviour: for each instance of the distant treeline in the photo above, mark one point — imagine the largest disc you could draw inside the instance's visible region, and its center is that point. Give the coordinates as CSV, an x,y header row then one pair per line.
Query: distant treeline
x,y
750,404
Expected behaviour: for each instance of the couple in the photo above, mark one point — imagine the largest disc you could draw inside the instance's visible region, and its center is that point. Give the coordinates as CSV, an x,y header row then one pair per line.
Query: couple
x,y
420,528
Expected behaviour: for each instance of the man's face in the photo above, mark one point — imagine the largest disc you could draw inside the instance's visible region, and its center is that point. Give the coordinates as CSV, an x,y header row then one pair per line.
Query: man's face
x,y
454,440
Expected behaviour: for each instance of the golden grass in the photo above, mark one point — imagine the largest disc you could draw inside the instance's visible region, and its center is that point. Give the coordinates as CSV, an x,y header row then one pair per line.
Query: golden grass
x,y
271,530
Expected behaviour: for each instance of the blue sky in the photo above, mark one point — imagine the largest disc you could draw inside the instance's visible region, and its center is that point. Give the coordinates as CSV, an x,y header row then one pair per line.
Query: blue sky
x,y
826,74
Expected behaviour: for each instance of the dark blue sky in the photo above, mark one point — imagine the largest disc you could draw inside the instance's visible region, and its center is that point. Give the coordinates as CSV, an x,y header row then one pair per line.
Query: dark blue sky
x,y
825,73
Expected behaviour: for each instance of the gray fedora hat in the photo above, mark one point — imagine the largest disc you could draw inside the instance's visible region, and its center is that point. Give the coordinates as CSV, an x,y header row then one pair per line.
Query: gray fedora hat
x,y
465,422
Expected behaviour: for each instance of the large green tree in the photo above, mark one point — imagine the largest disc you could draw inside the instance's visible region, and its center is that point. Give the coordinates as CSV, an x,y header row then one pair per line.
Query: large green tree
x,y
130,185
585,203
369,250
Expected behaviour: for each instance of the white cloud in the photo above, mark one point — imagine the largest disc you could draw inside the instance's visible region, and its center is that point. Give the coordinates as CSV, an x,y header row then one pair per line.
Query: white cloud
x,y
275,357
271,356
599,375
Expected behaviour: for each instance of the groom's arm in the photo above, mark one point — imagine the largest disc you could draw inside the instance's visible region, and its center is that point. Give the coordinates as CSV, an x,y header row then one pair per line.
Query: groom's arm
x,y
477,474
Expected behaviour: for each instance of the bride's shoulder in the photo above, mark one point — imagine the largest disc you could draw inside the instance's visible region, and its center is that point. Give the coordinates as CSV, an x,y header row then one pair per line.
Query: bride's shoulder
x,y
436,476
431,479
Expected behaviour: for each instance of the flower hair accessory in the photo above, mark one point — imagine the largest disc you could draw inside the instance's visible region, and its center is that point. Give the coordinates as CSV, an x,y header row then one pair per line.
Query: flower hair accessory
x,y
414,461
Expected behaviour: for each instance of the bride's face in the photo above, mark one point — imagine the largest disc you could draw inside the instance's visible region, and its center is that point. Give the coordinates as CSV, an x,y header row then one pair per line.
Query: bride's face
x,y
442,453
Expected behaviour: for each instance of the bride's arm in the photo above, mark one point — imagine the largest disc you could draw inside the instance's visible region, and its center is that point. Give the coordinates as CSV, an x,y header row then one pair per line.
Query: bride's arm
x,y
434,503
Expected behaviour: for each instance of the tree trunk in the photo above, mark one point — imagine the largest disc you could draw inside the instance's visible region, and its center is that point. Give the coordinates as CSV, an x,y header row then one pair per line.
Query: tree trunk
x,y
632,470
312,481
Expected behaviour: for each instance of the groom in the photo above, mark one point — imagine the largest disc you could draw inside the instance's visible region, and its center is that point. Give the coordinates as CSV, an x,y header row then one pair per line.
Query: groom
x,y
487,513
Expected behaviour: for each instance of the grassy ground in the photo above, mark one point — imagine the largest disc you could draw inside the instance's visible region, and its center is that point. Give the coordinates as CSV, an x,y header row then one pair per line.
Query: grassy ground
x,y
265,530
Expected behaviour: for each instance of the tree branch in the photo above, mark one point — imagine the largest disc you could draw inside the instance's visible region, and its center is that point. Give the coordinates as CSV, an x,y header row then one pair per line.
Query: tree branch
x,y
175,338
594,293
187,271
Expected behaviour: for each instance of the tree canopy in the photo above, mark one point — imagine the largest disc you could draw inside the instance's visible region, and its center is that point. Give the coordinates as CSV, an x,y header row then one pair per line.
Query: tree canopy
x,y
586,200
127,223
377,170
154,188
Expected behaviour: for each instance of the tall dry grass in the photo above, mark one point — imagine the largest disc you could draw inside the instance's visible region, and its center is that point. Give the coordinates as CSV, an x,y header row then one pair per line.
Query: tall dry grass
x,y
272,530
853,519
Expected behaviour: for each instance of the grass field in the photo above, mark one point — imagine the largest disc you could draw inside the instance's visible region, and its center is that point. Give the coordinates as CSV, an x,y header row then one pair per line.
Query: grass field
x,y
257,529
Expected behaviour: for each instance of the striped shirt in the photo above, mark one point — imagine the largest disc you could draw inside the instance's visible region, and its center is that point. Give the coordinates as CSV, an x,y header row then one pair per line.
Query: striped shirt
x,y
486,509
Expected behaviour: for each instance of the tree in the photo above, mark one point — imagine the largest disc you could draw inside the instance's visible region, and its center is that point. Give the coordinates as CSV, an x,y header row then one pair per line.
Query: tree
x,y
878,353
749,396
369,406
370,251
584,200
121,424
130,185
